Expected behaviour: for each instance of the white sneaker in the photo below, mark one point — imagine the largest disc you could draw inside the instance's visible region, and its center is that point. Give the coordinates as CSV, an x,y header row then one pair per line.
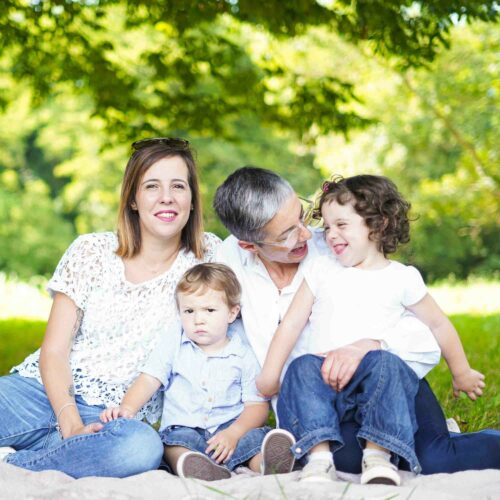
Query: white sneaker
x,y
277,456
377,470
4,451
320,471
452,425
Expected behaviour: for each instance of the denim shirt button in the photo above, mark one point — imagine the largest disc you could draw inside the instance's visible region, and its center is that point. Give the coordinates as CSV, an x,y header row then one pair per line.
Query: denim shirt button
x,y
298,450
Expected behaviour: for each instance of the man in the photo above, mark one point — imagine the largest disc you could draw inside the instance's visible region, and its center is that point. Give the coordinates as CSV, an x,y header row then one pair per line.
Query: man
x,y
269,245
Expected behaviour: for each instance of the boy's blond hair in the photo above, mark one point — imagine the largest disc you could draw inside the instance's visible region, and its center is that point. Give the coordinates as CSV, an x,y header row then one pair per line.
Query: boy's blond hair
x,y
213,276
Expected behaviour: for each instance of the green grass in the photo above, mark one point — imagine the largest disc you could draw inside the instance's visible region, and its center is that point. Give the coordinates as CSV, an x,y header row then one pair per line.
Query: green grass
x,y
479,333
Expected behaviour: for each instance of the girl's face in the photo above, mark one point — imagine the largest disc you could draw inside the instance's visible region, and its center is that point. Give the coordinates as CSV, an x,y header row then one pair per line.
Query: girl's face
x,y
163,199
346,233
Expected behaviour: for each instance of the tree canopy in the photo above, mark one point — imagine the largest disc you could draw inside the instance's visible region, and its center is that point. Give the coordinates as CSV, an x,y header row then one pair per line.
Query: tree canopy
x,y
306,88
190,65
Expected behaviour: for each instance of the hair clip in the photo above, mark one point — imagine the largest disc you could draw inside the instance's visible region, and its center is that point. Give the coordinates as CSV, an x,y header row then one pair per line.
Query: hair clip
x,y
326,187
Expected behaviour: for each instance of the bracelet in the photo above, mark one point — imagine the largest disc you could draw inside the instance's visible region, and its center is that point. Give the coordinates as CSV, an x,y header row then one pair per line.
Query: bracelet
x,y
63,407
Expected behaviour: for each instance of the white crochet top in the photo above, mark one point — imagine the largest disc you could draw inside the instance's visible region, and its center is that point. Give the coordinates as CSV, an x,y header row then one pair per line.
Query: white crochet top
x,y
122,321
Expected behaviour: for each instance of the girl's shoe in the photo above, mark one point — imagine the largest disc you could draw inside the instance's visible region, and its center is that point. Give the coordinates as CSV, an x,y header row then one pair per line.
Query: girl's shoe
x,y
377,470
199,466
318,471
277,456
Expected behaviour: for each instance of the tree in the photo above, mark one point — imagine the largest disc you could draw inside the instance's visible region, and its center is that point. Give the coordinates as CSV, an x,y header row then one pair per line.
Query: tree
x,y
152,66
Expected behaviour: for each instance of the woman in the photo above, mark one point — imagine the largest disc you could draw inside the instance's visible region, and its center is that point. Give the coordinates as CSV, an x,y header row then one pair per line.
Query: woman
x,y
113,295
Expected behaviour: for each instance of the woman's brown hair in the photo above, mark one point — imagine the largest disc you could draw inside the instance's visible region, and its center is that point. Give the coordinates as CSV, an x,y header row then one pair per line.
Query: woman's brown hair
x,y
147,153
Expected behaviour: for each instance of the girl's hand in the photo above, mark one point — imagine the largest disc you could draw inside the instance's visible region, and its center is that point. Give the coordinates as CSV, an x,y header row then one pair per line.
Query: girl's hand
x,y
471,382
222,445
266,387
110,414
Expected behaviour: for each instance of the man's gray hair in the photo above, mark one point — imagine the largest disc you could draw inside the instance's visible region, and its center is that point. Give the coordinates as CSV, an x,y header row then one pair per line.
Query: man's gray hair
x,y
248,199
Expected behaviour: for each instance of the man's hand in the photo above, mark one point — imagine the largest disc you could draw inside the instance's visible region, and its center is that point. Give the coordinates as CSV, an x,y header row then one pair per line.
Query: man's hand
x,y
471,382
222,445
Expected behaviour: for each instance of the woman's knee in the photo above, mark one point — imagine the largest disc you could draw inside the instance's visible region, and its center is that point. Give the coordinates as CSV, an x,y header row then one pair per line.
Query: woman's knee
x,y
138,446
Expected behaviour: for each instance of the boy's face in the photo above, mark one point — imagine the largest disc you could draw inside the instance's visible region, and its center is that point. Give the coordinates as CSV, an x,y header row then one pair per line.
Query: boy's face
x,y
205,317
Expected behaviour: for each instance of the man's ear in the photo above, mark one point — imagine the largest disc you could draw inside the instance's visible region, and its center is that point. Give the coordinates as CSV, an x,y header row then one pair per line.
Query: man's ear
x,y
246,245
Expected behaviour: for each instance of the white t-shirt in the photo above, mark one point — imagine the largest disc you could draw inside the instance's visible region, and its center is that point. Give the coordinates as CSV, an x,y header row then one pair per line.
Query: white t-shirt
x,y
353,304
263,306
122,321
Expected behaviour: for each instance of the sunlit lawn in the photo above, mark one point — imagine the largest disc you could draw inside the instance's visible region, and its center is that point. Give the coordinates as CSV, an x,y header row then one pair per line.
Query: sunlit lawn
x,y
477,318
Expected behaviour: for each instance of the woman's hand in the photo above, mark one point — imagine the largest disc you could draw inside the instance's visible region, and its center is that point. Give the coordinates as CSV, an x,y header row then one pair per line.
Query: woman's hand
x,y
471,382
113,413
222,445
85,429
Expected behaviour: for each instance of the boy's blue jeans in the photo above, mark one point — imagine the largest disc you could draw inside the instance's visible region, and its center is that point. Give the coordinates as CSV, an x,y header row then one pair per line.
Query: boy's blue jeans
x,y
380,398
196,440
27,423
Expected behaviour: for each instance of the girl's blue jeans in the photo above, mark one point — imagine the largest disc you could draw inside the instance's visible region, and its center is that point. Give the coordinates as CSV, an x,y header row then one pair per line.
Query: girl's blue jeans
x,y
27,423
437,450
196,440
380,397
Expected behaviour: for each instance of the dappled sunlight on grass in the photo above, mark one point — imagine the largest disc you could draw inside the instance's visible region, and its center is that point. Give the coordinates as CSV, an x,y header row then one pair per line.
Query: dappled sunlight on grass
x,y
24,300
474,296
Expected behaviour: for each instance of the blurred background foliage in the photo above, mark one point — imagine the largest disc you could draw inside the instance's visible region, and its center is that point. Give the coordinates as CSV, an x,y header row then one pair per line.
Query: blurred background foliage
x,y
306,88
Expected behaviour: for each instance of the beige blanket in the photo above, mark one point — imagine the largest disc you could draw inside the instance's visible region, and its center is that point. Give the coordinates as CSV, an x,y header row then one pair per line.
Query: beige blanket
x,y
17,483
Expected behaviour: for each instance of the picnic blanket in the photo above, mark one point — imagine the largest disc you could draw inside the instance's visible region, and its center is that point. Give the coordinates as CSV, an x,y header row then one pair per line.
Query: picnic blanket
x,y
16,483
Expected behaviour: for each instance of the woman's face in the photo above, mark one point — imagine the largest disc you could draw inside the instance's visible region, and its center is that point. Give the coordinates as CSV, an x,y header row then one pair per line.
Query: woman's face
x,y
163,199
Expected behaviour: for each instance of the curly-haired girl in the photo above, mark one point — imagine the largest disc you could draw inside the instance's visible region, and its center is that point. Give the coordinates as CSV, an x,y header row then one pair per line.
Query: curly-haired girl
x,y
357,292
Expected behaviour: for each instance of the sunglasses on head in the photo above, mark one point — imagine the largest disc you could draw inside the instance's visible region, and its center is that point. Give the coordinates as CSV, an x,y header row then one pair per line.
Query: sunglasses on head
x,y
173,142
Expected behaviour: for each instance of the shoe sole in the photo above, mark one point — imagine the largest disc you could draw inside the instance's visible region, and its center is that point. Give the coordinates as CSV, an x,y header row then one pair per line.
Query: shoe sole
x,y
380,475
276,455
382,480
198,466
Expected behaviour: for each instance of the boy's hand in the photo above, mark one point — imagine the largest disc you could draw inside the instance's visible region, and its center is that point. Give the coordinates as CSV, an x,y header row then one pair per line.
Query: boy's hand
x,y
222,445
110,414
266,387
471,382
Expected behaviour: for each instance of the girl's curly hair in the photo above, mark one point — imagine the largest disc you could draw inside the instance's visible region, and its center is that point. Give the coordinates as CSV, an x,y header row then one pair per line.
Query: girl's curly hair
x,y
378,201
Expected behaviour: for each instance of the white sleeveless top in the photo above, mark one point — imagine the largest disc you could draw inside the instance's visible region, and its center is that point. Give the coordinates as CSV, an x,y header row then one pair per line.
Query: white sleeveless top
x,y
122,321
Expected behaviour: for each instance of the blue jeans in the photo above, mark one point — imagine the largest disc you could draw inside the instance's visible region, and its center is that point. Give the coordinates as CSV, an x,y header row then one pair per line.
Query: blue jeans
x,y
28,424
380,398
196,440
437,450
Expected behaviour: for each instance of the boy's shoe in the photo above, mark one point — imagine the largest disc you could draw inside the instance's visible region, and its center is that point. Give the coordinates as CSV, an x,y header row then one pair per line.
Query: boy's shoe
x,y
318,471
4,451
452,425
377,470
199,466
277,457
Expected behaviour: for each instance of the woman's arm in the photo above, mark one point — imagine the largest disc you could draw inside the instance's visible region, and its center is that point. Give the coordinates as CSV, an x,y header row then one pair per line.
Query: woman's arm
x,y
464,377
62,327
224,442
284,340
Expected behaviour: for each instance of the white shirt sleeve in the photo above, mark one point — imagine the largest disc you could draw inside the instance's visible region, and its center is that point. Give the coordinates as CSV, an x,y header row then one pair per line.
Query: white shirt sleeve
x,y
414,287
78,270
160,361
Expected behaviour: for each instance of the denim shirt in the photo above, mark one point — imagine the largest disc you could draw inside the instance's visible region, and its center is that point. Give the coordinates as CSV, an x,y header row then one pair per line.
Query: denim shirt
x,y
203,390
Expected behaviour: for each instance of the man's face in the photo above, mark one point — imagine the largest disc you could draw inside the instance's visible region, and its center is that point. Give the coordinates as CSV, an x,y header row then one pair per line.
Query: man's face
x,y
286,235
